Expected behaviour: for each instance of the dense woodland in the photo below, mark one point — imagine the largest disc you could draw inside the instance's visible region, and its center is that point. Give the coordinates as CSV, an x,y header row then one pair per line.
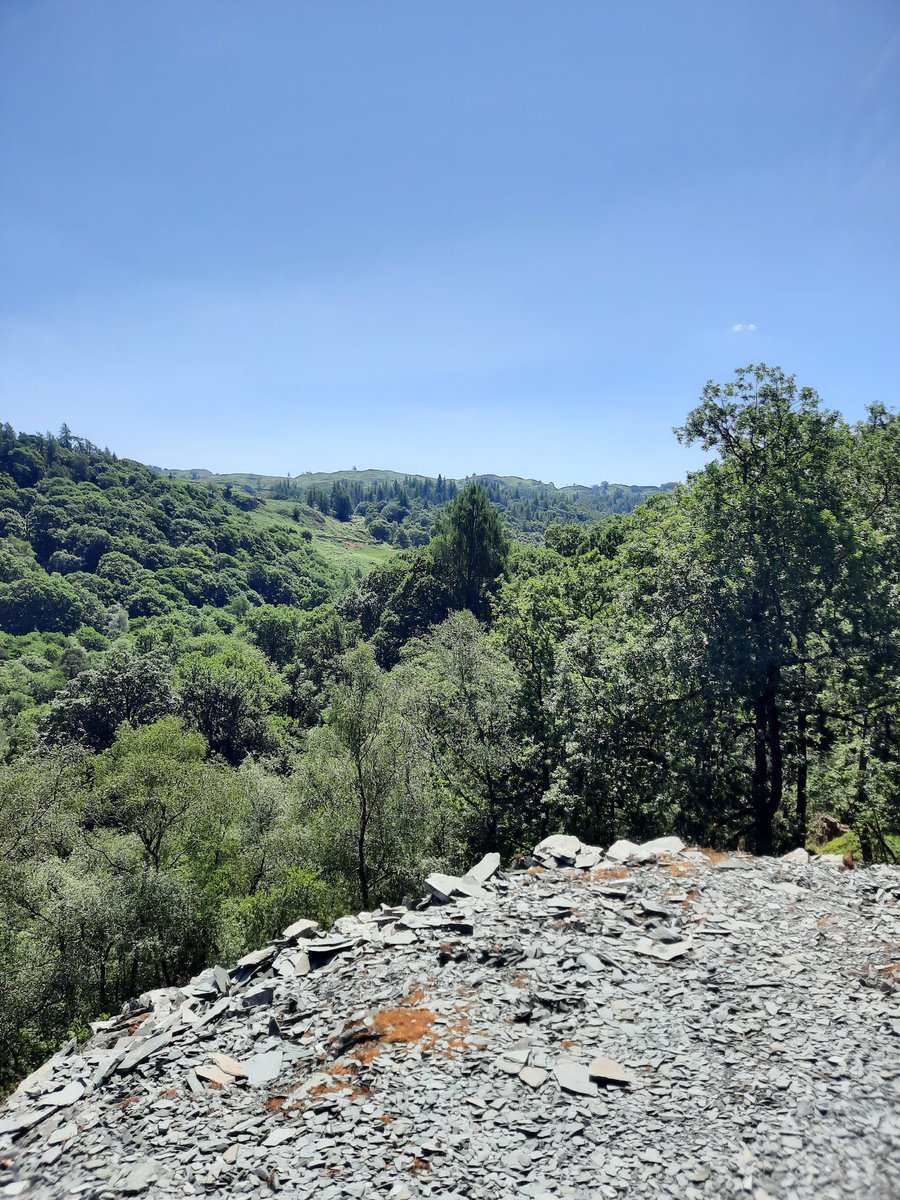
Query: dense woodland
x,y
206,735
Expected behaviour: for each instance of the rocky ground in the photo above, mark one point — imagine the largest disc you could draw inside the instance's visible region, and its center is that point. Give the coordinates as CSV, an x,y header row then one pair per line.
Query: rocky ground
x,y
647,1022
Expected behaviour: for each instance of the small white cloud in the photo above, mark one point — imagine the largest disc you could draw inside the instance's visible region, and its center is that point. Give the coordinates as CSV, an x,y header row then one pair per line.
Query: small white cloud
x,y
743,328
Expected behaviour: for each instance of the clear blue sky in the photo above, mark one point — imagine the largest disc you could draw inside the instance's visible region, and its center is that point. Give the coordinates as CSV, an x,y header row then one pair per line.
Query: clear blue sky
x,y
434,235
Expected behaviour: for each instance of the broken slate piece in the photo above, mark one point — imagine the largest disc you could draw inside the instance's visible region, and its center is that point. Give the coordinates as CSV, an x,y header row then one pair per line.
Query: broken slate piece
x,y
144,1050
572,1076
561,846
327,946
622,850
215,1075
587,858
260,997
263,1068
229,1065
605,1070
662,951
400,937
300,929
799,855
533,1076
64,1097
139,1178
663,845
256,958
482,871
442,887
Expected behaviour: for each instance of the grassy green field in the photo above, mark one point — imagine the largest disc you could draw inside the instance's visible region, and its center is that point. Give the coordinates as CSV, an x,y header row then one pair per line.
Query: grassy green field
x,y
346,546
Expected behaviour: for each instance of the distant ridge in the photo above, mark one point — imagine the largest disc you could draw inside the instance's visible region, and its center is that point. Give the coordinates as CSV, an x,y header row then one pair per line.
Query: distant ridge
x,y
262,483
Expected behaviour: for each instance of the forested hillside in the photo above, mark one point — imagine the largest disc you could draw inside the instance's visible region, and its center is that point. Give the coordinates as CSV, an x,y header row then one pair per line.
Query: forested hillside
x,y
206,734
401,510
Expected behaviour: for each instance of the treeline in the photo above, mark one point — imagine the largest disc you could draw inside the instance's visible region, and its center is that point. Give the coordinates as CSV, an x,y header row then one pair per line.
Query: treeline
x,y
722,662
403,512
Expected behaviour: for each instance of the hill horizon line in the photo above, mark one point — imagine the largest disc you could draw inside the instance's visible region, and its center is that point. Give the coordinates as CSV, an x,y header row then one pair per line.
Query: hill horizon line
x,y
376,474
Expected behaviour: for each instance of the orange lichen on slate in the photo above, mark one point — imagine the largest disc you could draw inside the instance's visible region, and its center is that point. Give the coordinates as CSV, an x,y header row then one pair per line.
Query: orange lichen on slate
x,y
403,1025
604,874
677,870
714,856
342,1073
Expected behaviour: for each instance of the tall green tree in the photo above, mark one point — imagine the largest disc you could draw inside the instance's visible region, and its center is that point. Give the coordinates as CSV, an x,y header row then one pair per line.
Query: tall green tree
x,y
777,536
470,548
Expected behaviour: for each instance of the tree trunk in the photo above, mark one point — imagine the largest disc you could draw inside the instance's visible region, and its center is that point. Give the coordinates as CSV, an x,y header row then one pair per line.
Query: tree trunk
x,y
362,869
762,824
776,753
860,824
802,779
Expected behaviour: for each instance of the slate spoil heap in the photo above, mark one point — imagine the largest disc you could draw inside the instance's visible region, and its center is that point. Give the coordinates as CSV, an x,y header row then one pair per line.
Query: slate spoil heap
x,y
649,1021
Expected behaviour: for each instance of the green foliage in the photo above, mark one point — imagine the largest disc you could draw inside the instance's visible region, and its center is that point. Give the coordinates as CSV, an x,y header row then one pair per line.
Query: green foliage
x,y
124,687
470,549
199,745
227,690
370,820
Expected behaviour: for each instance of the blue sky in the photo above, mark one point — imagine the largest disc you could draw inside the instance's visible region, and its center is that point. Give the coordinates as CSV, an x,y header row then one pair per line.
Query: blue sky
x,y
287,235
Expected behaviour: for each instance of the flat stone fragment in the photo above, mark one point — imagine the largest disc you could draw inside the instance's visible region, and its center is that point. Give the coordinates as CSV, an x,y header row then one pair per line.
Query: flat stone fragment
x,y
300,929
605,1070
586,859
792,889
21,1121
279,1136
400,937
622,850
257,957
215,1075
559,845
799,855
482,871
64,1097
327,946
260,997
264,1067
443,887
230,1066
144,1050
590,962
572,1076
139,1178
663,845
663,951
533,1076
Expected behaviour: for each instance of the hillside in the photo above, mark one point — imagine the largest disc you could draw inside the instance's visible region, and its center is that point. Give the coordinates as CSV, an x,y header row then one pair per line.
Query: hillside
x,y
401,509
649,1021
